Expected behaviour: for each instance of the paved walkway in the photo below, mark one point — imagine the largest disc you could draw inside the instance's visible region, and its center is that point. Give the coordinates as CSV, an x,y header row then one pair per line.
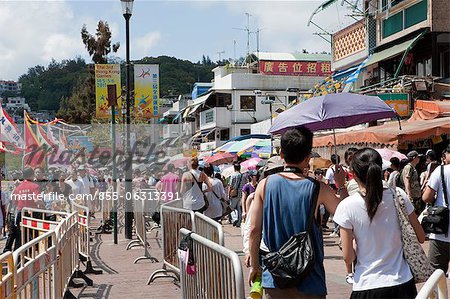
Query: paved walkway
x,y
123,279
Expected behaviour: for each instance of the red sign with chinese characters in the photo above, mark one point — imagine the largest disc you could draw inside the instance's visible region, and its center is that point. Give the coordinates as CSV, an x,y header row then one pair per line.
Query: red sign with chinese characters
x,y
295,68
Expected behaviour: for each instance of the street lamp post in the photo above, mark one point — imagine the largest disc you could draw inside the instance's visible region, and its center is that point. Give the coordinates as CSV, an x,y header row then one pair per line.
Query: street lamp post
x,y
127,7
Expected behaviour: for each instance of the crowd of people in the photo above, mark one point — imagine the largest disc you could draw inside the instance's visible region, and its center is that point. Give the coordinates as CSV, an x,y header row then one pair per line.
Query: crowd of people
x,y
274,203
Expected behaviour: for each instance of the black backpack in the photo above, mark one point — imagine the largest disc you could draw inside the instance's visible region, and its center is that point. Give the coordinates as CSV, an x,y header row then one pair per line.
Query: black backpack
x,y
399,180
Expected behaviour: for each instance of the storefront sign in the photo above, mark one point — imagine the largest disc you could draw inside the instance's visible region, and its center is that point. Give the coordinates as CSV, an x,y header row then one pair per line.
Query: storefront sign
x,y
295,68
398,101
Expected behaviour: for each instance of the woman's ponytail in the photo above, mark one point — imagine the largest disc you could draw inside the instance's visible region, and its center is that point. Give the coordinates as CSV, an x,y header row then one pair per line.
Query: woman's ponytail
x,y
374,189
366,165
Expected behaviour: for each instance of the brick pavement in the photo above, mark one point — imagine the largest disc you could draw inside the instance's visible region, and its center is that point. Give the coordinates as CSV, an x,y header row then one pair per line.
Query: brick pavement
x,y
123,279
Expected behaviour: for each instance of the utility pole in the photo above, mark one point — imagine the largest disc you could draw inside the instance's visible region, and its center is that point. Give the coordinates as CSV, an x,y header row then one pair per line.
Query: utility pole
x,y
220,55
246,29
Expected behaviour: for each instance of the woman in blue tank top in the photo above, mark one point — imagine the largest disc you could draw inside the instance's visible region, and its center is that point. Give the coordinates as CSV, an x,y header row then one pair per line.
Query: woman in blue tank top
x,y
281,208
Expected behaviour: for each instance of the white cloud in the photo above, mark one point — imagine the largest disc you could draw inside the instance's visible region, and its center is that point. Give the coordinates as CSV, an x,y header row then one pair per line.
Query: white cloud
x,y
143,44
34,32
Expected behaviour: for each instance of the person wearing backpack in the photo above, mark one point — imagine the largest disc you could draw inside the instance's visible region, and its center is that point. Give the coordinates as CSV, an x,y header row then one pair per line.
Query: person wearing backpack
x,y
284,210
192,189
437,193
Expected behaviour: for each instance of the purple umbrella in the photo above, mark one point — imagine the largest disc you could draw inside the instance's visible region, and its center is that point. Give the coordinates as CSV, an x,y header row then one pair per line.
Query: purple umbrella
x,y
333,111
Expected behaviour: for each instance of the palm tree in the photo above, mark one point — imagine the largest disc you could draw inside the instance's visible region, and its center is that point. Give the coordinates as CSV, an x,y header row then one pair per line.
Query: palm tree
x,y
99,45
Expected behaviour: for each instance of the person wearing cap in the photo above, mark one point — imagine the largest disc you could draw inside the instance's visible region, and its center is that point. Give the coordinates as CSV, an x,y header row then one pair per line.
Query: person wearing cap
x,y
26,196
439,250
410,178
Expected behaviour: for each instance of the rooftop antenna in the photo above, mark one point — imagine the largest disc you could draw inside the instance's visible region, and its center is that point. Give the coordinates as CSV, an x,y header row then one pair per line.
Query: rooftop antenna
x,y
220,55
234,49
247,29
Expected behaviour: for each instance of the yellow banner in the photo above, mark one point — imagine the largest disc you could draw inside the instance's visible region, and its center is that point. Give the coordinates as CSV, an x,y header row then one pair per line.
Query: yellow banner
x,y
106,74
146,90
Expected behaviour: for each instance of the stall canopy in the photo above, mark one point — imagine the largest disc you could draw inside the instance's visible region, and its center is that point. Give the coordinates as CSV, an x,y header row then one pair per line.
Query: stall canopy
x,y
393,51
199,102
389,133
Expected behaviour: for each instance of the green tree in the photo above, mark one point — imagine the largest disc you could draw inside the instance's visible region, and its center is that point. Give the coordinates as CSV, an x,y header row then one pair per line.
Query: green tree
x,y
99,45
80,106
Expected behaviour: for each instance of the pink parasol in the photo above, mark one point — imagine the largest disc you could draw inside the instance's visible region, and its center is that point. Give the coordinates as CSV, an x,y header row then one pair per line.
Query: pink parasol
x,y
220,158
387,154
251,164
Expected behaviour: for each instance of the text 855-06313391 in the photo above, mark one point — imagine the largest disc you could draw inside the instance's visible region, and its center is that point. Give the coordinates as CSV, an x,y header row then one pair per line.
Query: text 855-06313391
x,y
139,195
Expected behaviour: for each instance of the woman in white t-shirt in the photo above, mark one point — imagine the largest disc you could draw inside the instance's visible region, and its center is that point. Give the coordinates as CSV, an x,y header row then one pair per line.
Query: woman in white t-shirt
x,y
370,218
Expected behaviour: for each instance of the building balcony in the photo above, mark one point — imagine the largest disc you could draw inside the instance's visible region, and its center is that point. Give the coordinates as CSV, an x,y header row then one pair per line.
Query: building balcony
x,y
171,131
218,117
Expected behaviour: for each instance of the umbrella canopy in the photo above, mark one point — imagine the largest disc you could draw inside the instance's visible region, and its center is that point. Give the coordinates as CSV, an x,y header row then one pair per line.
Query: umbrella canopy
x,y
251,164
261,148
178,163
227,172
240,146
387,154
333,111
220,158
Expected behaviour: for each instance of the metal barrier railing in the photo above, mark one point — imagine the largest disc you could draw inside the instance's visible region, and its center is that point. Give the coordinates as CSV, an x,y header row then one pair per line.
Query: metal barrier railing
x,y
209,229
34,264
67,238
44,266
140,211
7,275
172,220
436,284
83,218
37,221
218,271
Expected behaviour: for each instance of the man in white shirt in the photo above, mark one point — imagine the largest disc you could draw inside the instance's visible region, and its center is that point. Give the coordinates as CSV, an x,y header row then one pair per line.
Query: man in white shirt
x,y
439,252
76,184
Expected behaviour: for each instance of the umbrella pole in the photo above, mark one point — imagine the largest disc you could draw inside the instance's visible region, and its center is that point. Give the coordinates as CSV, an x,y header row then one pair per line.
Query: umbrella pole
x,y
335,144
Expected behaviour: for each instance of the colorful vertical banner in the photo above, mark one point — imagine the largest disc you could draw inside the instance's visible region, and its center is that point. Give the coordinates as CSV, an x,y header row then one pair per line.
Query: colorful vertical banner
x,y
106,74
146,90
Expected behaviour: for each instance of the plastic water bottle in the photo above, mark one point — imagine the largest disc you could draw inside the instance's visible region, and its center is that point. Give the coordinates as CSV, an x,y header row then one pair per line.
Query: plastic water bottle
x,y
257,290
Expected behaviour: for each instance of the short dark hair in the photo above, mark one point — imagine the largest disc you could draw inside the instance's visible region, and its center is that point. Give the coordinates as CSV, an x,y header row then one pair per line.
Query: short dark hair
x,y
395,162
208,169
431,155
335,159
318,172
349,154
237,166
296,144
27,173
170,167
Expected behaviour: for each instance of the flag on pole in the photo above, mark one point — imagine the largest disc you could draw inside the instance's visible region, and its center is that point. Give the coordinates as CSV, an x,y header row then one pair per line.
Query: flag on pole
x,y
354,76
34,155
42,136
9,133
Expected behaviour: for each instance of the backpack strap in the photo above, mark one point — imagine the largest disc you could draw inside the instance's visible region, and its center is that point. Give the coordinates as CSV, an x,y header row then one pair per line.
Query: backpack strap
x,y
444,186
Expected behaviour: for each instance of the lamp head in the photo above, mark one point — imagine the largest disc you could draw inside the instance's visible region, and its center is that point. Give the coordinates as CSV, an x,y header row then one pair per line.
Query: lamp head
x,y
127,7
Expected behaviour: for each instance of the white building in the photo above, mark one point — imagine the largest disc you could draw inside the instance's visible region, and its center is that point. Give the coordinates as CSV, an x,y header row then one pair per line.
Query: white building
x,y
16,103
242,96
10,86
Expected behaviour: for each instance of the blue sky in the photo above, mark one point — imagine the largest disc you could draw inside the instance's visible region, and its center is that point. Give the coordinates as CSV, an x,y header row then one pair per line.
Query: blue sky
x,y
37,31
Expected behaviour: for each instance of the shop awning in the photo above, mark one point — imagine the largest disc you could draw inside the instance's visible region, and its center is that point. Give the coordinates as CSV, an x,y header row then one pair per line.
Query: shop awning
x,y
389,133
392,51
199,102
